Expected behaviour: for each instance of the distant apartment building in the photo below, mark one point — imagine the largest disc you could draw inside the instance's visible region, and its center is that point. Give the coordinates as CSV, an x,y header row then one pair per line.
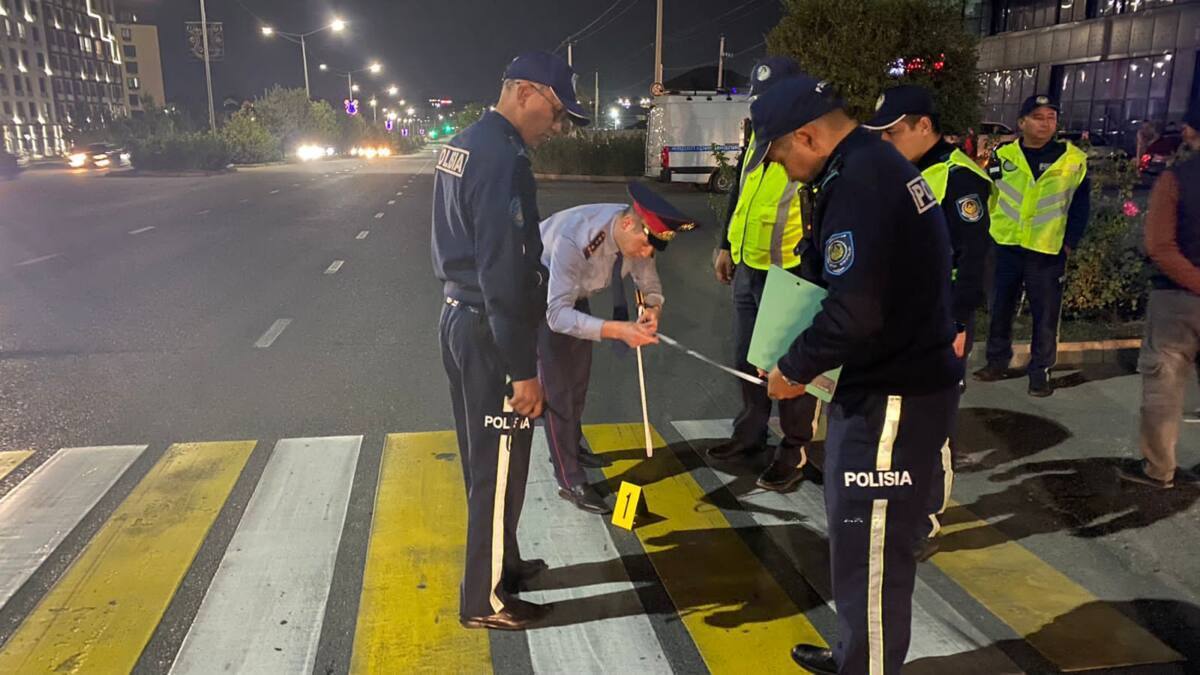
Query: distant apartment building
x,y
29,126
85,58
1112,64
143,63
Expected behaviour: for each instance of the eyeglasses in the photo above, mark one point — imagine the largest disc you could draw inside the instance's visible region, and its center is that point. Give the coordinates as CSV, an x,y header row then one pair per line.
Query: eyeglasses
x,y
560,111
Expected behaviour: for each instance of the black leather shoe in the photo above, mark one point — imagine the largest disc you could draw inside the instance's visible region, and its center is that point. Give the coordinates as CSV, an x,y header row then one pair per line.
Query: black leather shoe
x,y
925,548
728,450
780,477
991,373
517,579
516,615
1039,385
592,460
815,659
585,498
1134,470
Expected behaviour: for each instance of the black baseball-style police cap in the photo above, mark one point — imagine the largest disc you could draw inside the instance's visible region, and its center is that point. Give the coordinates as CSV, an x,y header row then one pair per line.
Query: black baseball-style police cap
x,y
897,103
661,220
1039,101
769,71
788,105
552,71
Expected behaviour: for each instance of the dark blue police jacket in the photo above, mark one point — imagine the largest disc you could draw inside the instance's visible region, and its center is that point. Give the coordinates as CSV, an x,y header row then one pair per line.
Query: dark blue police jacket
x,y
486,244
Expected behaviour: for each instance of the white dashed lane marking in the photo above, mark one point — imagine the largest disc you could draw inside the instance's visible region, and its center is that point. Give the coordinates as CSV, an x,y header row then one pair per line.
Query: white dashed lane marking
x,y
275,191
334,266
34,261
272,334
378,215
363,234
141,230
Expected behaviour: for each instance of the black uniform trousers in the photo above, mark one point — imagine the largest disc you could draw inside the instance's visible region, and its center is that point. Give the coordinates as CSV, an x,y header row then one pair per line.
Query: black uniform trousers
x,y
564,366
1042,277
797,416
943,469
494,447
880,452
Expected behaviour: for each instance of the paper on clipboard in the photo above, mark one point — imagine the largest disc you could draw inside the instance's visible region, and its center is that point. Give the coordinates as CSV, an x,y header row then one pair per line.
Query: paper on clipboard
x,y
788,307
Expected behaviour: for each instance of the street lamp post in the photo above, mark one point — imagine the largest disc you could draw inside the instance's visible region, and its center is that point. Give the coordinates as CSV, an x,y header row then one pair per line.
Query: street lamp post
x,y
373,68
337,25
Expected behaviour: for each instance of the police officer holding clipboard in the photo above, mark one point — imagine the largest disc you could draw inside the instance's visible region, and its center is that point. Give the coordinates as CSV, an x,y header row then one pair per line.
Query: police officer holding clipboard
x,y
879,246
487,251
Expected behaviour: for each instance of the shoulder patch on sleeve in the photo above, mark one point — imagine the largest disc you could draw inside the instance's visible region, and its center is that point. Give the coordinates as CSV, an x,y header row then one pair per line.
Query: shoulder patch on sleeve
x,y
453,160
594,244
970,208
922,194
839,253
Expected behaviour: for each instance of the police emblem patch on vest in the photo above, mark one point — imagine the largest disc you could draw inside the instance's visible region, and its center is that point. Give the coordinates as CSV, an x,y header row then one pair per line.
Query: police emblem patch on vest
x,y
970,208
839,253
594,244
922,194
453,160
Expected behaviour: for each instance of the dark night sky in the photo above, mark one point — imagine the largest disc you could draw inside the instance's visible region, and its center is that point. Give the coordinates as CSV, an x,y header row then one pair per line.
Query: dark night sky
x,y
450,48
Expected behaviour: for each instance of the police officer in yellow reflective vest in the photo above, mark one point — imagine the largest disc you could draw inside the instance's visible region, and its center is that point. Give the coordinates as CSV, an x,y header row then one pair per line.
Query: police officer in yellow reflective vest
x,y
763,228
1039,212
909,120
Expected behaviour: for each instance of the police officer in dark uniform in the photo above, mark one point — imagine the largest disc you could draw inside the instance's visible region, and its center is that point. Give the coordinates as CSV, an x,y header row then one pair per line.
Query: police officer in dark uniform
x,y
487,252
909,120
879,245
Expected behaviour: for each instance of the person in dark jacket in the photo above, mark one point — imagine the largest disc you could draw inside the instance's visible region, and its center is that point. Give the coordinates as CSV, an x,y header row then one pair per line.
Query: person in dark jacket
x,y
880,247
487,251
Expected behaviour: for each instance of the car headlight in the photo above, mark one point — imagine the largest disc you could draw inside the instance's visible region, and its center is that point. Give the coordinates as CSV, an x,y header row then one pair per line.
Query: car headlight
x,y
78,159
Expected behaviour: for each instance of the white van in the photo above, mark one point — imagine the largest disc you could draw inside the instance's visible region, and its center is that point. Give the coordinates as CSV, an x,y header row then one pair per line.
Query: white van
x,y
681,130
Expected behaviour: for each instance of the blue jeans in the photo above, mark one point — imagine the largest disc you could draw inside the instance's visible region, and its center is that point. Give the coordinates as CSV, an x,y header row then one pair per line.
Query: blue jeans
x,y
1041,276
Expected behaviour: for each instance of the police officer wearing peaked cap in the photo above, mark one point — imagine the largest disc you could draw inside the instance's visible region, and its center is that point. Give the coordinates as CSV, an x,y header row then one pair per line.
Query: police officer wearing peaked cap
x,y
764,223
879,246
1040,211
487,252
585,248
909,120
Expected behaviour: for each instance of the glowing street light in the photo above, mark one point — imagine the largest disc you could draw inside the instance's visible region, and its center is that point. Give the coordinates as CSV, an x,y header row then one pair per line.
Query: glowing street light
x,y
411,111
393,90
336,26
354,88
375,67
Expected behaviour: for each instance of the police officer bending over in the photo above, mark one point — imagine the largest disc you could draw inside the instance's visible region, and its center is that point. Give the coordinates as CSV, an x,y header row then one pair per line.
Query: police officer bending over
x,y
909,121
879,245
583,247
487,252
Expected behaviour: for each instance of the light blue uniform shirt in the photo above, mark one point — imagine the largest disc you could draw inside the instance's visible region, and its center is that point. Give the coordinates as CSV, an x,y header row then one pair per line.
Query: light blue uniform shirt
x,y
580,251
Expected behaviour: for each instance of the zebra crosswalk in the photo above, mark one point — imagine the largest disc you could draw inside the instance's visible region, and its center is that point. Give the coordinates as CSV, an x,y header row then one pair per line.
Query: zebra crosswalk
x,y
103,548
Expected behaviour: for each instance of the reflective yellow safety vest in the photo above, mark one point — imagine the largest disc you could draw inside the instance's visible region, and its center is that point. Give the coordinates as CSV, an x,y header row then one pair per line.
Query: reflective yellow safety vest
x,y
938,175
1033,214
766,223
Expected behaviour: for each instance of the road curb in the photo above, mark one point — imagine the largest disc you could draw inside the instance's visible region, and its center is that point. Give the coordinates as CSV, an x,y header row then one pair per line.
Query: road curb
x,y
573,178
1123,352
134,173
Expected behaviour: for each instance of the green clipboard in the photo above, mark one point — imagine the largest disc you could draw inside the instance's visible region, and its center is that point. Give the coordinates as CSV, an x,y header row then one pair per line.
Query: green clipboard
x,y
788,307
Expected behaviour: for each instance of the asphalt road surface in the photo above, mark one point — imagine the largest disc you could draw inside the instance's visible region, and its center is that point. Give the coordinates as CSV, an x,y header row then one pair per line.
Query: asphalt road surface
x,y
224,447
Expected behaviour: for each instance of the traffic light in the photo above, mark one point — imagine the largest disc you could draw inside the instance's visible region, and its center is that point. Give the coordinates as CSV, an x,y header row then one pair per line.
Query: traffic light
x,y
433,135
447,128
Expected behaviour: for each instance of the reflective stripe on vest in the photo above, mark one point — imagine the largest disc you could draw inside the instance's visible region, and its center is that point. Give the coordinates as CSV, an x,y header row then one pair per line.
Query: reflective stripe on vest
x,y
766,224
1033,214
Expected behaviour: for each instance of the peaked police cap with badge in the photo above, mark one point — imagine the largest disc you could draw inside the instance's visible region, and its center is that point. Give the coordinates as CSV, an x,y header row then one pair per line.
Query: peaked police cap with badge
x,y
1039,101
897,103
660,220
769,71
791,103
552,71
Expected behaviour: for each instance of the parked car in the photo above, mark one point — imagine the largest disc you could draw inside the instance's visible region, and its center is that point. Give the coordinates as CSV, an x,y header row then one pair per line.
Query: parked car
x,y
1158,155
98,156
10,168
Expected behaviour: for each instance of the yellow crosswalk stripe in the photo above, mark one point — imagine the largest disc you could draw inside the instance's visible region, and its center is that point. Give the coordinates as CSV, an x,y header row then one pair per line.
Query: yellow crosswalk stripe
x,y
101,614
1071,627
11,460
732,607
408,613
